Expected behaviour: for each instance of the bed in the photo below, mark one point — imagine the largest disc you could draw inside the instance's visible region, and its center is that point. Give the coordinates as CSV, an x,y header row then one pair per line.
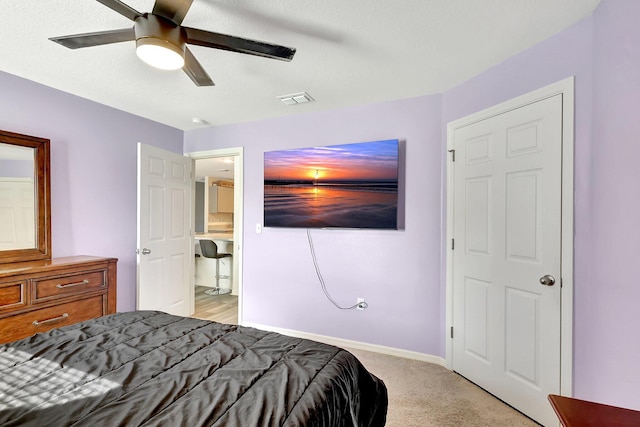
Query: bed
x,y
151,368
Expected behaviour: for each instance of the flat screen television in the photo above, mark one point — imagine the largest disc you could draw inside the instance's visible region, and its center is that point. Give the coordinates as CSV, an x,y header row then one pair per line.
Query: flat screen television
x,y
337,186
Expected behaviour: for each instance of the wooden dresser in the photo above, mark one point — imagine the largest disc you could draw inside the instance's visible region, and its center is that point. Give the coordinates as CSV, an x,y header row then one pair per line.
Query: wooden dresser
x,y
36,296
582,413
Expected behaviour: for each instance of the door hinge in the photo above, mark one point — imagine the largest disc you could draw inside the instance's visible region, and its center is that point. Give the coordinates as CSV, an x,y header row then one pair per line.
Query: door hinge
x,y
453,244
452,332
453,155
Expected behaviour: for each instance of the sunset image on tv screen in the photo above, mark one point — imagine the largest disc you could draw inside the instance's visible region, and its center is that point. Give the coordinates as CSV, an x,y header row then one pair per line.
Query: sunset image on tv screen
x,y
349,185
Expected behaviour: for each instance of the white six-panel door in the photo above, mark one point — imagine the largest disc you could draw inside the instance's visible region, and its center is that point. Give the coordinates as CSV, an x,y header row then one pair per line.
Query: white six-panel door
x,y
165,248
507,183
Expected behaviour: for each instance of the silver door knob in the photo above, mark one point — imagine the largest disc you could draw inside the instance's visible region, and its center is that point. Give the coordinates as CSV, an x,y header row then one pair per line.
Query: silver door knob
x,y
548,280
146,251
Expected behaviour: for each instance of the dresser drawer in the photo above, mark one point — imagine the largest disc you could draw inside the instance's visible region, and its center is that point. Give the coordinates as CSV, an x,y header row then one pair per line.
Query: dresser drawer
x,y
44,319
48,288
13,295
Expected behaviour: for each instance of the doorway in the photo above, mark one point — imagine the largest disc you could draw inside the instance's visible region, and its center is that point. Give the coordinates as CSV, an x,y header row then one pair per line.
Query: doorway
x,y
219,212
509,263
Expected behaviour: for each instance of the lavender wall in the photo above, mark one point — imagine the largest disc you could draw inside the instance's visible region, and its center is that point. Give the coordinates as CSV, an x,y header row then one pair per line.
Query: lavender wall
x,y
398,272
93,170
607,354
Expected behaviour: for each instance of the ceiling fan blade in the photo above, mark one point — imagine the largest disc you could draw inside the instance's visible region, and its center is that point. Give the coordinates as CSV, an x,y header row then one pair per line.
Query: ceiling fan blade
x,y
237,44
194,70
96,39
121,8
174,10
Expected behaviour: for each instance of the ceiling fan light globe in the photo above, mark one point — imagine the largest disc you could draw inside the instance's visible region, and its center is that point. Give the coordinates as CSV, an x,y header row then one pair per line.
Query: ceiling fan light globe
x,y
160,53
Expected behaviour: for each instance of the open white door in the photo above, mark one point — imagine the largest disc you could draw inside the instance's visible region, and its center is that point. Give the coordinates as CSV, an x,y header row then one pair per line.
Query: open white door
x,y
165,249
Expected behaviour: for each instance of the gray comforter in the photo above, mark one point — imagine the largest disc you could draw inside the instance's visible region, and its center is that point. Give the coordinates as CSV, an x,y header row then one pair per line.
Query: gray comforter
x,y
150,368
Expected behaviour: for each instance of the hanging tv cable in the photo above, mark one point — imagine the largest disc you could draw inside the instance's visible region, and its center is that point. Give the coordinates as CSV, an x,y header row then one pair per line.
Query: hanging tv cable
x,y
323,285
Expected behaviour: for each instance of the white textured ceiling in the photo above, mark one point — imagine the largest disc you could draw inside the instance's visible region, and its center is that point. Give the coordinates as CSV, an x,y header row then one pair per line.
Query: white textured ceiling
x,y
348,52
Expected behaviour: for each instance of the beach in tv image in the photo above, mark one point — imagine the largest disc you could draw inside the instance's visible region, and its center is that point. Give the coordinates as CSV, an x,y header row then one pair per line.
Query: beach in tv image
x,y
337,186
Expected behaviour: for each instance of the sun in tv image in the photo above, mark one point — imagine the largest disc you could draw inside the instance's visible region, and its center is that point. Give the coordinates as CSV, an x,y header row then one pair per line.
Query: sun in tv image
x,y
336,186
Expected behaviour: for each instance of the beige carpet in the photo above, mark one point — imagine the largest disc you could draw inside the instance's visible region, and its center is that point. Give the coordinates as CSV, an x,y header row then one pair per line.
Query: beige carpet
x,y
423,394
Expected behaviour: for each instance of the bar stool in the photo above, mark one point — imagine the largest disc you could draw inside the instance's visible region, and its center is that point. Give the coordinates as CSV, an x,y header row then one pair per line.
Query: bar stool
x,y
209,249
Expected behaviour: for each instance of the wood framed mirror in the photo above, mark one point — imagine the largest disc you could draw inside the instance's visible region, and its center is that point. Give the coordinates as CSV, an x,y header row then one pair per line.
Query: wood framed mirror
x,y
25,198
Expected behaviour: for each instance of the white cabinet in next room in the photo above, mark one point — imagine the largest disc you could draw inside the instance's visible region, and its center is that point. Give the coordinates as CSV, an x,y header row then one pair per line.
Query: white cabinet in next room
x,y
220,199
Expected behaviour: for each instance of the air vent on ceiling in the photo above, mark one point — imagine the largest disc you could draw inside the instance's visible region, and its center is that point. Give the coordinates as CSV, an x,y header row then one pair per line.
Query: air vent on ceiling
x,y
296,98
199,121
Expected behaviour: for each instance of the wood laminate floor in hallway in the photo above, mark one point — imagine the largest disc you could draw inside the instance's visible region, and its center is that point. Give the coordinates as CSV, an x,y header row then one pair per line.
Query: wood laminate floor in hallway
x,y
219,308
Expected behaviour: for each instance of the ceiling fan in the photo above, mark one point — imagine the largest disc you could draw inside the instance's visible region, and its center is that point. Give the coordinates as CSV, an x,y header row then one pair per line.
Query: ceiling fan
x,y
161,40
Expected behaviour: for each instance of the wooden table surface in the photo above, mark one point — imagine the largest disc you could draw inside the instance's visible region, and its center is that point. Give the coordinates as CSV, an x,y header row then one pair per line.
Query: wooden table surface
x,y
581,413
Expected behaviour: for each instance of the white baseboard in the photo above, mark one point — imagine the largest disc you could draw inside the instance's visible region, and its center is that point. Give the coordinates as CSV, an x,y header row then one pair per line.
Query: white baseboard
x,y
340,342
